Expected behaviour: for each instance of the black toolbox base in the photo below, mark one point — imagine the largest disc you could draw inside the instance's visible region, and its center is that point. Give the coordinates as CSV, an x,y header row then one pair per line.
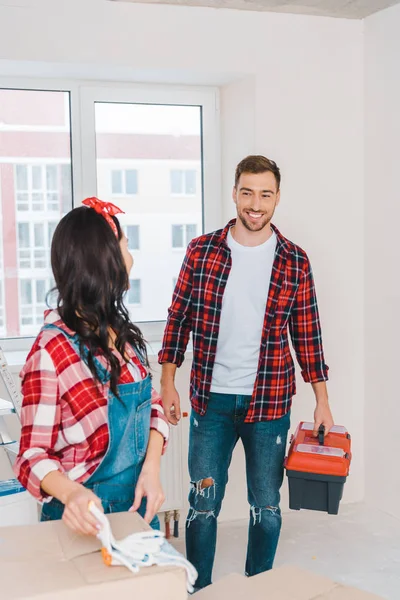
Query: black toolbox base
x,y
315,492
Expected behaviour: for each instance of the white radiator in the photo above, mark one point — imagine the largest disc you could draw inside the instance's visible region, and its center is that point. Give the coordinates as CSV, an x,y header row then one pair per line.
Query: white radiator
x,y
172,472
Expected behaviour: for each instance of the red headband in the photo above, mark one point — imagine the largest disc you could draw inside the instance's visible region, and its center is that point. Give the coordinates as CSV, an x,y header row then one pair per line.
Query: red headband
x,y
106,210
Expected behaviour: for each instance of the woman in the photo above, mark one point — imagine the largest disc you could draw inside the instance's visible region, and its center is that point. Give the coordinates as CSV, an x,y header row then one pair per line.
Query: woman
x,y
92,426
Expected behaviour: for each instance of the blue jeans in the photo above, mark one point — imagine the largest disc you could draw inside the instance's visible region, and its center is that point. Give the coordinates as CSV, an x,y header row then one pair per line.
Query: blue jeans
x,y
213,438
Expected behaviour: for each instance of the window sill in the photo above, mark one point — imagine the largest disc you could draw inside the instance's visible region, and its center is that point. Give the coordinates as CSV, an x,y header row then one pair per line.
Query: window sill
x,y
17,359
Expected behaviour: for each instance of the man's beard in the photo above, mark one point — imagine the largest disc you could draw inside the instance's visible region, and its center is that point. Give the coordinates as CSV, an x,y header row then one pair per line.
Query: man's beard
x,y
255,226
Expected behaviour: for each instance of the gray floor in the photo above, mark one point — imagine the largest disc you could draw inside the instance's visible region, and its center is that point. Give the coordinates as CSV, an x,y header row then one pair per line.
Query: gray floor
x,y
359,547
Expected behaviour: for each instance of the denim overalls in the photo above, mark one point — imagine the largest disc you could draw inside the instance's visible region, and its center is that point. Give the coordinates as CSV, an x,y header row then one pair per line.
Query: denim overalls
x,y
114,481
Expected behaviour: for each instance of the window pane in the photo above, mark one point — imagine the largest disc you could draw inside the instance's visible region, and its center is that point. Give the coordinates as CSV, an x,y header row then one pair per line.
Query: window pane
x,y
134,292
40,291
177,236
22,202
51,177
116,182
51,228
190,182
24,259
176,182
37,183
21,177
152,146
23,235
39,235
40,259
38,202
38,161
52,202
132,233
191,232
131,186
26,291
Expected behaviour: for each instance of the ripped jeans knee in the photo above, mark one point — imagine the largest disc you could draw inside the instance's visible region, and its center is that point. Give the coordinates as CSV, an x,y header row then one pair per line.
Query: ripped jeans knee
x,y
204,500
258,513
205,488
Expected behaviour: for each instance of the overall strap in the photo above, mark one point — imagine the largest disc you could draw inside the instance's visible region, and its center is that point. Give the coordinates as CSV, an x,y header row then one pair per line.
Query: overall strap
x,y
82,352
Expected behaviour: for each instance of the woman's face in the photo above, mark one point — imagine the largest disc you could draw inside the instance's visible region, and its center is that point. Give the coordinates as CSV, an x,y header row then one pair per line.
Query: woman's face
x,y
125,253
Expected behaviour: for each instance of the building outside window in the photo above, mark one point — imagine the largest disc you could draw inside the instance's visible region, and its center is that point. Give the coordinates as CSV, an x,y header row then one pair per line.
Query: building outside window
x,y
124,182
32,293
42,197
182,235
36,190
38,187
134,294
183,182
34,243
133,235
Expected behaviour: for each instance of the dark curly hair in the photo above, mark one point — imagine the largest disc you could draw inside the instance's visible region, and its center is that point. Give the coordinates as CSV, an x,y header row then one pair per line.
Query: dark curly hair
x,y
91,281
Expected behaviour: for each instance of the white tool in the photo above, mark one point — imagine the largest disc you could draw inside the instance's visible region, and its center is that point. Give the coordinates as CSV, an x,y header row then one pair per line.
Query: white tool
x,y
142,549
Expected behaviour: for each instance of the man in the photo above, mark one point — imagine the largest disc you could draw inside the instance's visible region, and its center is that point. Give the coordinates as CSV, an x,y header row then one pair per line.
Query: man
x,y
239,291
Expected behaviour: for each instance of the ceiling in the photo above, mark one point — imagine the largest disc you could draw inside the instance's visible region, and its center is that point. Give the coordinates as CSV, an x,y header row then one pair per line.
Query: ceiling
x,y
349,9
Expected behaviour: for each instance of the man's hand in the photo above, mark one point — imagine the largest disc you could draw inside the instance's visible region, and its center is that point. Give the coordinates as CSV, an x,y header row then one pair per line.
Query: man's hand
x,y
171,403
322,416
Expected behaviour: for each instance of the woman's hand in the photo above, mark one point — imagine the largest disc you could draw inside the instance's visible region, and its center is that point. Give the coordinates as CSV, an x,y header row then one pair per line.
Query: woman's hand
x,y
76,513
149,486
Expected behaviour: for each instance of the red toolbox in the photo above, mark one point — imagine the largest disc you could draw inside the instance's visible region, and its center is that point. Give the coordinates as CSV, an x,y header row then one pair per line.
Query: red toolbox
x,y
317,468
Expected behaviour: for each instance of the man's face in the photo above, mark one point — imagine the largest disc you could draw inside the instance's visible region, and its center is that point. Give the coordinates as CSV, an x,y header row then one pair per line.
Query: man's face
x,y
256,197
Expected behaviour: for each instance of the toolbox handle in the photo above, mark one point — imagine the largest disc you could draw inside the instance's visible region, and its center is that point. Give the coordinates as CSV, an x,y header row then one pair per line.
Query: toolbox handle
x,y
321,435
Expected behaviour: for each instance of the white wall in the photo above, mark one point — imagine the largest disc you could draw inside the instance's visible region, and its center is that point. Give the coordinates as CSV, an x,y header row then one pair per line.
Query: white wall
x,y
382,282
292,88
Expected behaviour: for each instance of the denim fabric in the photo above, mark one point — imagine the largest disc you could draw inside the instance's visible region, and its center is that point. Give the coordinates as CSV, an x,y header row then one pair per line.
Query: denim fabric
x,y
114,480
213,438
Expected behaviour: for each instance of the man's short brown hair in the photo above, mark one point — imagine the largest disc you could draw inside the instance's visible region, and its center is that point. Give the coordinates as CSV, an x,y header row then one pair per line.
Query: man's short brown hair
x,y
257,164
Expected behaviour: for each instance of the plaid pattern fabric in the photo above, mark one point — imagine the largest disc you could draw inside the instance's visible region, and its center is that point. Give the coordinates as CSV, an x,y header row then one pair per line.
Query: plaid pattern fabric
x,y
64,412
291,305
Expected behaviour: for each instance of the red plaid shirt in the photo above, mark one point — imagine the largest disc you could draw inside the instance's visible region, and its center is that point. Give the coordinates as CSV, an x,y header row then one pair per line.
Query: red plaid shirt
x,y
64,412
291,305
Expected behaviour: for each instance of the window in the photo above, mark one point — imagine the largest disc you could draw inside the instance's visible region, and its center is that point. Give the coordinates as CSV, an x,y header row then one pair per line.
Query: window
x,y
132,233
183,182
182,235
163,133
164,143
124,183
134,293
33,301
34,242
36,189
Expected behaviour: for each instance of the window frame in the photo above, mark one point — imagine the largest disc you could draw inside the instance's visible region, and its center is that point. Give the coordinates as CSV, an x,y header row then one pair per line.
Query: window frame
x,y
82,97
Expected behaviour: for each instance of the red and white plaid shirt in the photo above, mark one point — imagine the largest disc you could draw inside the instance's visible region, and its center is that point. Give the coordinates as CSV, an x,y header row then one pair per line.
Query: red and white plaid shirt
x,y
291,304
64,412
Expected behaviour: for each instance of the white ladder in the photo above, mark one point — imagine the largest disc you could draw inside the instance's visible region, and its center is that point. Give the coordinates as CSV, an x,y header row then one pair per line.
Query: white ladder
x,y
9,407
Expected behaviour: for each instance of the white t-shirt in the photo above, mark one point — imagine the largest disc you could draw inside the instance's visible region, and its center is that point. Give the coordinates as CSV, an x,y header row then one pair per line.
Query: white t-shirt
x,y
242,317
